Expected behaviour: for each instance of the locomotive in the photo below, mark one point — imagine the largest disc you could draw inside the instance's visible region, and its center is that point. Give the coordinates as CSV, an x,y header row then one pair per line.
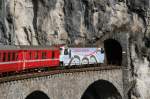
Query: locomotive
x,y
19,58
81,56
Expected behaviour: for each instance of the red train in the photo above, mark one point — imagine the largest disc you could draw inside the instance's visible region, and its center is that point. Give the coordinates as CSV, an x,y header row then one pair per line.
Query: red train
x,y
21,58
25,57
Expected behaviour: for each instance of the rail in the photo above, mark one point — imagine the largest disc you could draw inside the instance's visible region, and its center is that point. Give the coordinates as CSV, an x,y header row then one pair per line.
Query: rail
x,y
59,71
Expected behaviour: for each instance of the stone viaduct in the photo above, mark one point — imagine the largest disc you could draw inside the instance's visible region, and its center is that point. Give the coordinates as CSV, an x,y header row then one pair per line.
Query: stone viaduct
x,y
94,84
61,86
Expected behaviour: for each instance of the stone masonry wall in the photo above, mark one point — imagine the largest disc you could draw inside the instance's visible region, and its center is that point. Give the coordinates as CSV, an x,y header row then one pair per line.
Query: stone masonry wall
x,y
60,86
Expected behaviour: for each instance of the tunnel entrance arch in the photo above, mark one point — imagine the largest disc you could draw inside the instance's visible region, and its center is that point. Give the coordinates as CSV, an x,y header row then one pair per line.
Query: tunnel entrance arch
x,y
37,95
113,52
101,89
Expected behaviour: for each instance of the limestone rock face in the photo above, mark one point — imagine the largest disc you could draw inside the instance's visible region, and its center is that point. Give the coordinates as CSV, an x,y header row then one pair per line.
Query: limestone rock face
x,y
48,22
38,22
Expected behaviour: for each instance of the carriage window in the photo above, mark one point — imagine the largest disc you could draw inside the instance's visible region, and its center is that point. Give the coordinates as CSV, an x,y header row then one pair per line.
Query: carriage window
x,y
53,54
9,54
13,56
66,52
43,55
4,57
16,56
36,55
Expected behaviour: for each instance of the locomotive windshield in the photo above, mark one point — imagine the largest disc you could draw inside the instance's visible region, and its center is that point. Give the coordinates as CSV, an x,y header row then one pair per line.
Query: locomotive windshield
x,y
102,50
66,52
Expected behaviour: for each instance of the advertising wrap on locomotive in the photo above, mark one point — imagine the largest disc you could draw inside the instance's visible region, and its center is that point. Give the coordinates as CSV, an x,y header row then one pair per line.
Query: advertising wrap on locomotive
x,y
79,56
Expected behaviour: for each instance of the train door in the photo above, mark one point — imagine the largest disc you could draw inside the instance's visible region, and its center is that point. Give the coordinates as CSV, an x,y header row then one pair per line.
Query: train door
x,y
24,57
19,59
49,57
55,57
13,60
57,54
65,56
40,57
28,59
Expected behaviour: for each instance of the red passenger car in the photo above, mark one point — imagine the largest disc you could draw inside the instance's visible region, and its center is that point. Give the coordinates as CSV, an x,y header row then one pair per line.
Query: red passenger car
x,y
26,57
10,59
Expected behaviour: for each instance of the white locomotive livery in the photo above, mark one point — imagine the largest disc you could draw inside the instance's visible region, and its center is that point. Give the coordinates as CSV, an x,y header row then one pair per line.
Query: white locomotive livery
x,y
80,56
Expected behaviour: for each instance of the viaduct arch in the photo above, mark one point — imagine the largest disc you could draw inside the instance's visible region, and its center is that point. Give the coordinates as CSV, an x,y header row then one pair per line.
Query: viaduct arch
x,y
37,95
101,89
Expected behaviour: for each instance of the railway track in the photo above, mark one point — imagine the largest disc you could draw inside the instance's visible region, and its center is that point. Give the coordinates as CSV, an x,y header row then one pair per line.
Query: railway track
x,y
58,71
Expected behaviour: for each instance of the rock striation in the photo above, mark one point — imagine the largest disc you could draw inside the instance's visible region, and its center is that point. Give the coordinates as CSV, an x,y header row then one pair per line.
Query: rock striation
x,y
48,22
38,22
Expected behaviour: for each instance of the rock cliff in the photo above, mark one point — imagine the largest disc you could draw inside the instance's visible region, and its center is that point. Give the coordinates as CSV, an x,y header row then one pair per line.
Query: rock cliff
x,y
47,22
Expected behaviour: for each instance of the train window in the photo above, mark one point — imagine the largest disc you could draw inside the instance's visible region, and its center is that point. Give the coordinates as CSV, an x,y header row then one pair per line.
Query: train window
x,y
13,56
53,54
102,50
4,57
36,55
16,56
9,55
43,55
66,52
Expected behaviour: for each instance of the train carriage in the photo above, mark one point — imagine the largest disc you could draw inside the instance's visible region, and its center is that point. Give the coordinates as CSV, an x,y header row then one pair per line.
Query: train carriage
x,y
14,59
41,58
10,59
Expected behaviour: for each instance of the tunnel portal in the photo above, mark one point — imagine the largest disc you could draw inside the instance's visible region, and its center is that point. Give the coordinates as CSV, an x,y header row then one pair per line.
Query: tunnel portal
x,y
37,95
113,52
101,90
